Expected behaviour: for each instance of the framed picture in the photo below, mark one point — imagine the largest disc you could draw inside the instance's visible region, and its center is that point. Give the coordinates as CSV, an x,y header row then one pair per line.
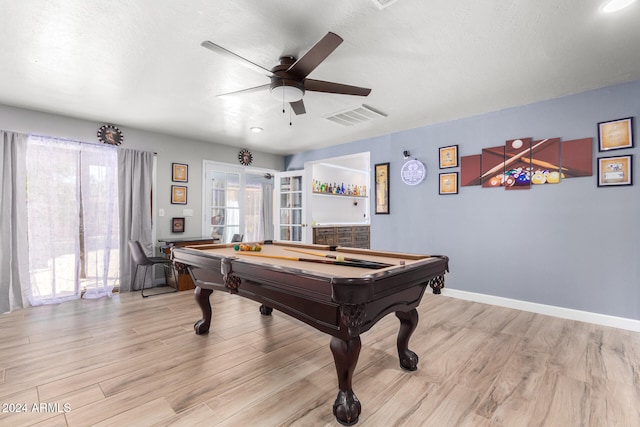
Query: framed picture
x,y
449,157
615,134
178,195
449,183
180,172
177,225
382,188
615,170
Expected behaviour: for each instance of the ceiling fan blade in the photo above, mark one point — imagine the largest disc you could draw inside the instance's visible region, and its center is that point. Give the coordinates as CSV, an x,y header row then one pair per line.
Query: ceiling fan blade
x,y
330,87
239,59
298,107
243,91
318,53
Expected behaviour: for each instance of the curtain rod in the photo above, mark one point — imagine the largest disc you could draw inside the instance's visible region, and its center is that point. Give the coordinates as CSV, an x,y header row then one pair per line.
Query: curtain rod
x,y
59,138
75,140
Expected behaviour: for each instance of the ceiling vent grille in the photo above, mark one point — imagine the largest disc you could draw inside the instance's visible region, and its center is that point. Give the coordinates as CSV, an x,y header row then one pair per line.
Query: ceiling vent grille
x,y
355,116
383,3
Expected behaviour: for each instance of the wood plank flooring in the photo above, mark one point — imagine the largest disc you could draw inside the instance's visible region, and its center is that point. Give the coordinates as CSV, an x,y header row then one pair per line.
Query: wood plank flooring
x,y
137,362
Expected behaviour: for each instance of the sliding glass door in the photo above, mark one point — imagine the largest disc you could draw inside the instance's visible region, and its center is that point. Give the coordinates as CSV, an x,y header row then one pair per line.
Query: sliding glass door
x,y
72,219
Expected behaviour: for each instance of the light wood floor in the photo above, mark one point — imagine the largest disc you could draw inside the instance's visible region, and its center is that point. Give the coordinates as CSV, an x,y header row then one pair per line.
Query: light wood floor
x,y
132,362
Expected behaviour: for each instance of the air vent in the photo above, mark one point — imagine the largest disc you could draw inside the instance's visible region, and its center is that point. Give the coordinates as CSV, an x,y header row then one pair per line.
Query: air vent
x,y
355,116
383,3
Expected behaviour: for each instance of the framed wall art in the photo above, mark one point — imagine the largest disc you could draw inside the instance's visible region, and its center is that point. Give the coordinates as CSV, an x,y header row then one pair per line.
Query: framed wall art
x,y
179,172
449,183
449,157
177,225
178,195
615,134
382,188
615,170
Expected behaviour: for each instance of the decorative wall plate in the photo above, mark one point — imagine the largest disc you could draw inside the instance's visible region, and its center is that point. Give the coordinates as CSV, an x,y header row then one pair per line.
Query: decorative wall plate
x,y
413,172
245,157
109,134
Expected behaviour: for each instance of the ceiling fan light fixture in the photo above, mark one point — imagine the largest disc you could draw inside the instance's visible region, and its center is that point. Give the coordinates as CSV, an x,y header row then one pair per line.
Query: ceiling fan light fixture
x,y
287,93
383,3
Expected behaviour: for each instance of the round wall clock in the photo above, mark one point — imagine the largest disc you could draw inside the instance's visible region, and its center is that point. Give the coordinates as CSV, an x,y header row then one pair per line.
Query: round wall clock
x,y
245,157
109,134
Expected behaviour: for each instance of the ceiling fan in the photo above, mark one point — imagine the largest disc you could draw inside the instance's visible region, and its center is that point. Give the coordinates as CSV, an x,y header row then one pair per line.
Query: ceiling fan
x,y
289,79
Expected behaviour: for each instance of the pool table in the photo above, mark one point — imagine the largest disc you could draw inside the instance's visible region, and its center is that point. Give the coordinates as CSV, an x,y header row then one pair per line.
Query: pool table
x,y
340,291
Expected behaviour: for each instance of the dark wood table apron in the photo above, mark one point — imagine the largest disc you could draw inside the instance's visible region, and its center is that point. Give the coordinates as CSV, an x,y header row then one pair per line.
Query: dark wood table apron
x,y
184,279
343,307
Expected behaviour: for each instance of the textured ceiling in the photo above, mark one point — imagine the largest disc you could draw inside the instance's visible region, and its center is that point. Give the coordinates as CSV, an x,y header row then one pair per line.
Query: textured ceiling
x,y
140,64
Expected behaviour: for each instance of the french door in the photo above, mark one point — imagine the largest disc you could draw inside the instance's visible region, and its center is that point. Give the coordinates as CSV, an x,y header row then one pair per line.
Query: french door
x,y
234,202
291,223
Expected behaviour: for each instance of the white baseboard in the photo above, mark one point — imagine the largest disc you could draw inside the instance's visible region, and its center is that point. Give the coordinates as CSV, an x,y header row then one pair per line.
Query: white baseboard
x,y
550,310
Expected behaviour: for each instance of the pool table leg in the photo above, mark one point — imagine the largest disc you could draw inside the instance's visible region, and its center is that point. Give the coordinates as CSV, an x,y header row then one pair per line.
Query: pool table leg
x,y
346,408
265,310
202,298
408,324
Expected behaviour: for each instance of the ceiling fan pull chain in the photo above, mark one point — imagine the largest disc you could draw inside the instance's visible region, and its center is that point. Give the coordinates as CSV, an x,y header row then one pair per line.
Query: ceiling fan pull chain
x,y
290,116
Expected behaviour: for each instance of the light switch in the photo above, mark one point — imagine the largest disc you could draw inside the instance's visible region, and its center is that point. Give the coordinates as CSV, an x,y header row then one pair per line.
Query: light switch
x,y
160,212
187,212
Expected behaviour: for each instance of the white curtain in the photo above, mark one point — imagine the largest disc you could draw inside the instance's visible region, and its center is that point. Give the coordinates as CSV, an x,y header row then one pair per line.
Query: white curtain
x,y
100,221
258,208
73,227
267,209
135,176
14,258
253,225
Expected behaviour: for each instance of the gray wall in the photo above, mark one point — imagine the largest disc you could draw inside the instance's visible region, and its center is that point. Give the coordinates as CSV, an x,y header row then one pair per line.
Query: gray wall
x,y
571,245
169,149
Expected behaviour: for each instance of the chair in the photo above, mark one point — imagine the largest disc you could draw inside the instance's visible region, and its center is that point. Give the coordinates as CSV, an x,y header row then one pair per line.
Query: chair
x,y
142,260
237,238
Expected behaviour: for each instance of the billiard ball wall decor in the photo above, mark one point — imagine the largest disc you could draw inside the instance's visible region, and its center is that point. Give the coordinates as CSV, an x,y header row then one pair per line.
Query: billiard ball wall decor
x,y
522,162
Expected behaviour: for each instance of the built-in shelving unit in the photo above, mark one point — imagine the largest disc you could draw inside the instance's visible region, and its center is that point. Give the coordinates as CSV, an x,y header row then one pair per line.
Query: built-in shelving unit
x,y
339,200
340,190
306,212
338,195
